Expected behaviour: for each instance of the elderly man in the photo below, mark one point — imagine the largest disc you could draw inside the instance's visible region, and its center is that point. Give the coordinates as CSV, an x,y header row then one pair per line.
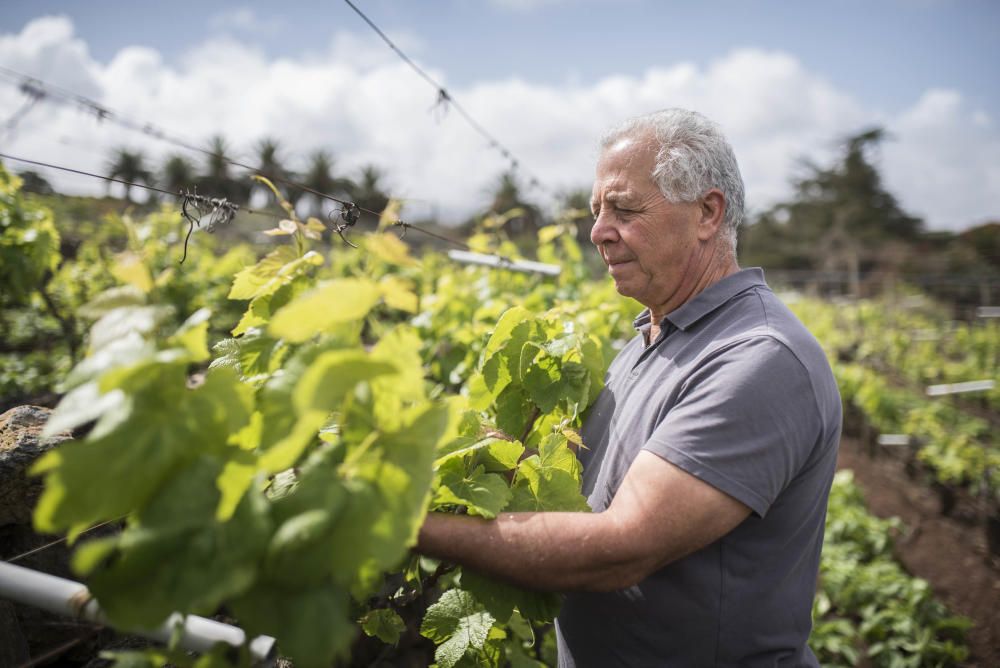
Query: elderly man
x,y
710,450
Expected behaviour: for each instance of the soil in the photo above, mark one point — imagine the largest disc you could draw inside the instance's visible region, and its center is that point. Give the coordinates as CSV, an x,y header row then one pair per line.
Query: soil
x,y
950,552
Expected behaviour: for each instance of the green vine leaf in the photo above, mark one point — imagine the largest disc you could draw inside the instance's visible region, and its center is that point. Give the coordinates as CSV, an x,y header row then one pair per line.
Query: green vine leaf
x,y
212,561
460,626
501,599
482,493
324,307
549,480
384,624
310,624
138,446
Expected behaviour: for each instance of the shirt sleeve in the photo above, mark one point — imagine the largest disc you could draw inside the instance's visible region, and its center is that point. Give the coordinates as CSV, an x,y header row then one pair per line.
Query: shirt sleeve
x,y
745,422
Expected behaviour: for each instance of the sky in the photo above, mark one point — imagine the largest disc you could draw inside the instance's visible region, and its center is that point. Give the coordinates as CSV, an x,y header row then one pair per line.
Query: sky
x,y
787,81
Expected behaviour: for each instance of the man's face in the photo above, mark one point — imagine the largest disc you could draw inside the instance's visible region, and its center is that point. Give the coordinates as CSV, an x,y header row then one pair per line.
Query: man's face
x,y
649,244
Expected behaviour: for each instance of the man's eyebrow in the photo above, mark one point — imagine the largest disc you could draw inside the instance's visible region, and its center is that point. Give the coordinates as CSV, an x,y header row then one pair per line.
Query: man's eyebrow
x,y
616,196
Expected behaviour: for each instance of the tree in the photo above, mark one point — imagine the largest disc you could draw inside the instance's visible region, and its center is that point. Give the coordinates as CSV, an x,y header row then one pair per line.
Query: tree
x,y
985,240
179,174
218,180
319,177
575,207
270,166
839,218
507,196
129,166
33,182
368,192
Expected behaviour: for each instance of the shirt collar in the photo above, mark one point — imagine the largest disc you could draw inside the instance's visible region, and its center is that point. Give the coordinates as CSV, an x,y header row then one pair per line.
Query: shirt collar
x,y
708,299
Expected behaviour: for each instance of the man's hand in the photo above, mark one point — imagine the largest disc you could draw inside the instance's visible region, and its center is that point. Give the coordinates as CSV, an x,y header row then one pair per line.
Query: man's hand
x,y
660,514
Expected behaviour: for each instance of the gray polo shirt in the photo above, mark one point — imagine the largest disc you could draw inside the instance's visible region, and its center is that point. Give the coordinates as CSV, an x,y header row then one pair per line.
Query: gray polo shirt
x,y
737,392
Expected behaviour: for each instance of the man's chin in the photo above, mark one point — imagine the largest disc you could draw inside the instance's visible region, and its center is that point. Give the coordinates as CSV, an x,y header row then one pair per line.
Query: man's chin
x,y
625,289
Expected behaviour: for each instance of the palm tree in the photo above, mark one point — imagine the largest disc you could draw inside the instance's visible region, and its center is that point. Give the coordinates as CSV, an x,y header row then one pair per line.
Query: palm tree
x,y
319,177
129,166
269,165
178,173
367,193
268,159
218,180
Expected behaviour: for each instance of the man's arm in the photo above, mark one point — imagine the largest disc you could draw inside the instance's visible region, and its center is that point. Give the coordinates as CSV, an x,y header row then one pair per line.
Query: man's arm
x,y
660,514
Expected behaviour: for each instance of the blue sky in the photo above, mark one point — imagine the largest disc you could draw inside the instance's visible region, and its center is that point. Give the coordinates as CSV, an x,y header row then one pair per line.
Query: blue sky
x,y
926,69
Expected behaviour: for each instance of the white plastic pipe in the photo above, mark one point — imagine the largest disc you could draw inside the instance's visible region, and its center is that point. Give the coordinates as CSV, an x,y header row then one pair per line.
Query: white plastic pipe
x,y
988,311
72,599
525,266
959,388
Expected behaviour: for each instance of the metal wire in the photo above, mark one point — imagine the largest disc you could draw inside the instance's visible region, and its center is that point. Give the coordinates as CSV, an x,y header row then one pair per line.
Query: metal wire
x,y
444,97
59,541
194,207
50,91
219,210
61,649
181,195
104,113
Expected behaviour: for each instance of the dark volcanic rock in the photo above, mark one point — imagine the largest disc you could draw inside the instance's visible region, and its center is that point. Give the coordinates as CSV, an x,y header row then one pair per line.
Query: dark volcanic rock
x,y
20,445
13,646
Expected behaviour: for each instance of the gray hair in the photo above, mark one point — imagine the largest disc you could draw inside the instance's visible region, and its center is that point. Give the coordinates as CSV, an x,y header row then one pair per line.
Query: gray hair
x,y
693,157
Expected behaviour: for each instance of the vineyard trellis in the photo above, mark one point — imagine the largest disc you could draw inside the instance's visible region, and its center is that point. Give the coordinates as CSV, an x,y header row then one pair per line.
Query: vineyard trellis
x,y
220,211
316,554
908,374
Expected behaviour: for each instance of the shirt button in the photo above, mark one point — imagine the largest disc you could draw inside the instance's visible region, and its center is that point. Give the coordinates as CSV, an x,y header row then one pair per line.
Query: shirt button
x,y
634,374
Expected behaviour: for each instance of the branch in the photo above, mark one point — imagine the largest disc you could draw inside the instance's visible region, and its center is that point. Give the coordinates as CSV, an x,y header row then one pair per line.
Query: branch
x,y
536,413
67,323
402,602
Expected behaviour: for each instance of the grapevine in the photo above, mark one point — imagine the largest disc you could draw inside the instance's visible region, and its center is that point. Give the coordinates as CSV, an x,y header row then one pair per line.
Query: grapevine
x,y
288,486
274,430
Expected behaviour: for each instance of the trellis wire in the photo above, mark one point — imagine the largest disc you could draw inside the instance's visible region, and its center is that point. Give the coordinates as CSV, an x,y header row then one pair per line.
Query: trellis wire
x,y
446,98
102,113
194,207
59,541
219,210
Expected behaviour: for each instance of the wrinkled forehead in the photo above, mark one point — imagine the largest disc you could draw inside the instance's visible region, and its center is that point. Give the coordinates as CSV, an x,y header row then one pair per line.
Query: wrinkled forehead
x,y
625,165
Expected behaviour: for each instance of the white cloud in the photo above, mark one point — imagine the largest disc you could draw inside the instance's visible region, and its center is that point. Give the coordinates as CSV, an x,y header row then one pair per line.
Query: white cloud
x,y
943,159
368,107
48,48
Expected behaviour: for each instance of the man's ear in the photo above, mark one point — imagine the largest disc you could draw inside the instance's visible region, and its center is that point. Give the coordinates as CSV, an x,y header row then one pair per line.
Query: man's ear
x,y
713,209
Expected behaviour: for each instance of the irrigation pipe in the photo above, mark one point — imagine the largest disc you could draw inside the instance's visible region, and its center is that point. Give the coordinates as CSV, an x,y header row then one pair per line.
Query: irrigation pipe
x,y
524,266
72,599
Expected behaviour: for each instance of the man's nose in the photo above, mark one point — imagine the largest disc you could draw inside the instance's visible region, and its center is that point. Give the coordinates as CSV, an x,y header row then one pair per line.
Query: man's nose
x,y
603,230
